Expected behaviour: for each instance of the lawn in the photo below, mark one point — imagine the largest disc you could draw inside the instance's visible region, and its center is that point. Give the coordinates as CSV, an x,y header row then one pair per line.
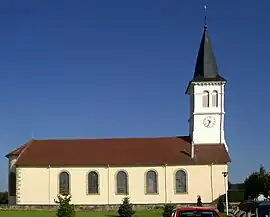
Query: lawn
x,y
78,214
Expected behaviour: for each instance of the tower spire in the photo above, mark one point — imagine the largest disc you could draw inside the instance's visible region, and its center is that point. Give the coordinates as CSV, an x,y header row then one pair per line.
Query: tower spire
x,y
206,68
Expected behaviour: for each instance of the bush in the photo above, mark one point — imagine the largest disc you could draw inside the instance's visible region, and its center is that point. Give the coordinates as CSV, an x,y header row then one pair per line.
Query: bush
x,y
65,209
125,209
3,197
236,195
168,210
199,201
220,205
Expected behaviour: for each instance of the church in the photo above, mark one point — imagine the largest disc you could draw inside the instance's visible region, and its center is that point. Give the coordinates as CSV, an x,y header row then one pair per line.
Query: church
x,y
147,170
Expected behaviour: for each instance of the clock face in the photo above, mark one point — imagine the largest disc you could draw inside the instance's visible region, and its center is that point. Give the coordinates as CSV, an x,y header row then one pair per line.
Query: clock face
x,y
209,121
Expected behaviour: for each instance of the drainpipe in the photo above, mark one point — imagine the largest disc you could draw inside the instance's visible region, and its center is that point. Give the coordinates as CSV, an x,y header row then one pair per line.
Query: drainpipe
x,y
49,170
192,149
212,181
108,184
165,183
221,114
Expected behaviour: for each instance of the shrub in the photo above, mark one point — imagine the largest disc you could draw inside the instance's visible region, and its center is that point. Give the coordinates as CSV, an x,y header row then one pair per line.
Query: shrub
x,y
236,195
3,197
125,209
65,209
168,210
220,205
199,201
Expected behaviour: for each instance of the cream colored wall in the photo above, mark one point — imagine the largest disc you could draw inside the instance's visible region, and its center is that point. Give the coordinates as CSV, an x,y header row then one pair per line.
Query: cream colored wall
x,y
40,185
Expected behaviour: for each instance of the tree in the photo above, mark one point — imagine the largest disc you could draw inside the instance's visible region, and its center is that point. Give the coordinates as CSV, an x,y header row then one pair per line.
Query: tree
x,y
220,205
126,208
199,201
229,185
168,210
65,209
257,183
3,197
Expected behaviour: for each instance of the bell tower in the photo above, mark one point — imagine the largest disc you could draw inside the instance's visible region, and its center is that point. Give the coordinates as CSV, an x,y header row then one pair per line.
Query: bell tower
x,y
206,91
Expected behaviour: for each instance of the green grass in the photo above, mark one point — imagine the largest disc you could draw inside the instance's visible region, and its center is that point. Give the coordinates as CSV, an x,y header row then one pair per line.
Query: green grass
x,y
78,214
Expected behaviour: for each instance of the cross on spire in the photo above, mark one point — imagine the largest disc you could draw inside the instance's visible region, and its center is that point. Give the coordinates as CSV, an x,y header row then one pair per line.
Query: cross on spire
x,y
205,16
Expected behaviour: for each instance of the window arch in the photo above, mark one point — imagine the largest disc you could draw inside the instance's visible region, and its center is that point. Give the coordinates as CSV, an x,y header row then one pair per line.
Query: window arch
x,y
151,182
215,98
93,183
64,183
205,99
180,181
122,183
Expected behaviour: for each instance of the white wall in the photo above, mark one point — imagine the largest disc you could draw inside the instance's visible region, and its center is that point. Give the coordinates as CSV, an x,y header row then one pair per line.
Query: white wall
x,y
199,133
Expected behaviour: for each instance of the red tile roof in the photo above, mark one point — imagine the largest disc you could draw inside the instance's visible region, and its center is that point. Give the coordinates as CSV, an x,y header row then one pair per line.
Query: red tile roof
x,y
118,152
17,151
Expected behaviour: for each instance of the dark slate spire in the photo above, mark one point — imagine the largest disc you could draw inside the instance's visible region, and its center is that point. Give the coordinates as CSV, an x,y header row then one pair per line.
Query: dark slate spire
x,y
206,67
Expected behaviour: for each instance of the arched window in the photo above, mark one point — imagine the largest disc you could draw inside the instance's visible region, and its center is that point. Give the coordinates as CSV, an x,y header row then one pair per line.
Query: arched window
x,y
215,98
12,184
151,182
93,183
64,185
180,181
122,183
205,99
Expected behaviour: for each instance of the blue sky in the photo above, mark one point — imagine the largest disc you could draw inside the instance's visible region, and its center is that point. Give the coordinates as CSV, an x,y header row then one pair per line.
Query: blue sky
x,y
88,69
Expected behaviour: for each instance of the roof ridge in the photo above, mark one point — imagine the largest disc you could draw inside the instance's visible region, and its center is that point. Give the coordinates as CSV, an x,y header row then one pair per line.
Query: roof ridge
x,y
113,138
